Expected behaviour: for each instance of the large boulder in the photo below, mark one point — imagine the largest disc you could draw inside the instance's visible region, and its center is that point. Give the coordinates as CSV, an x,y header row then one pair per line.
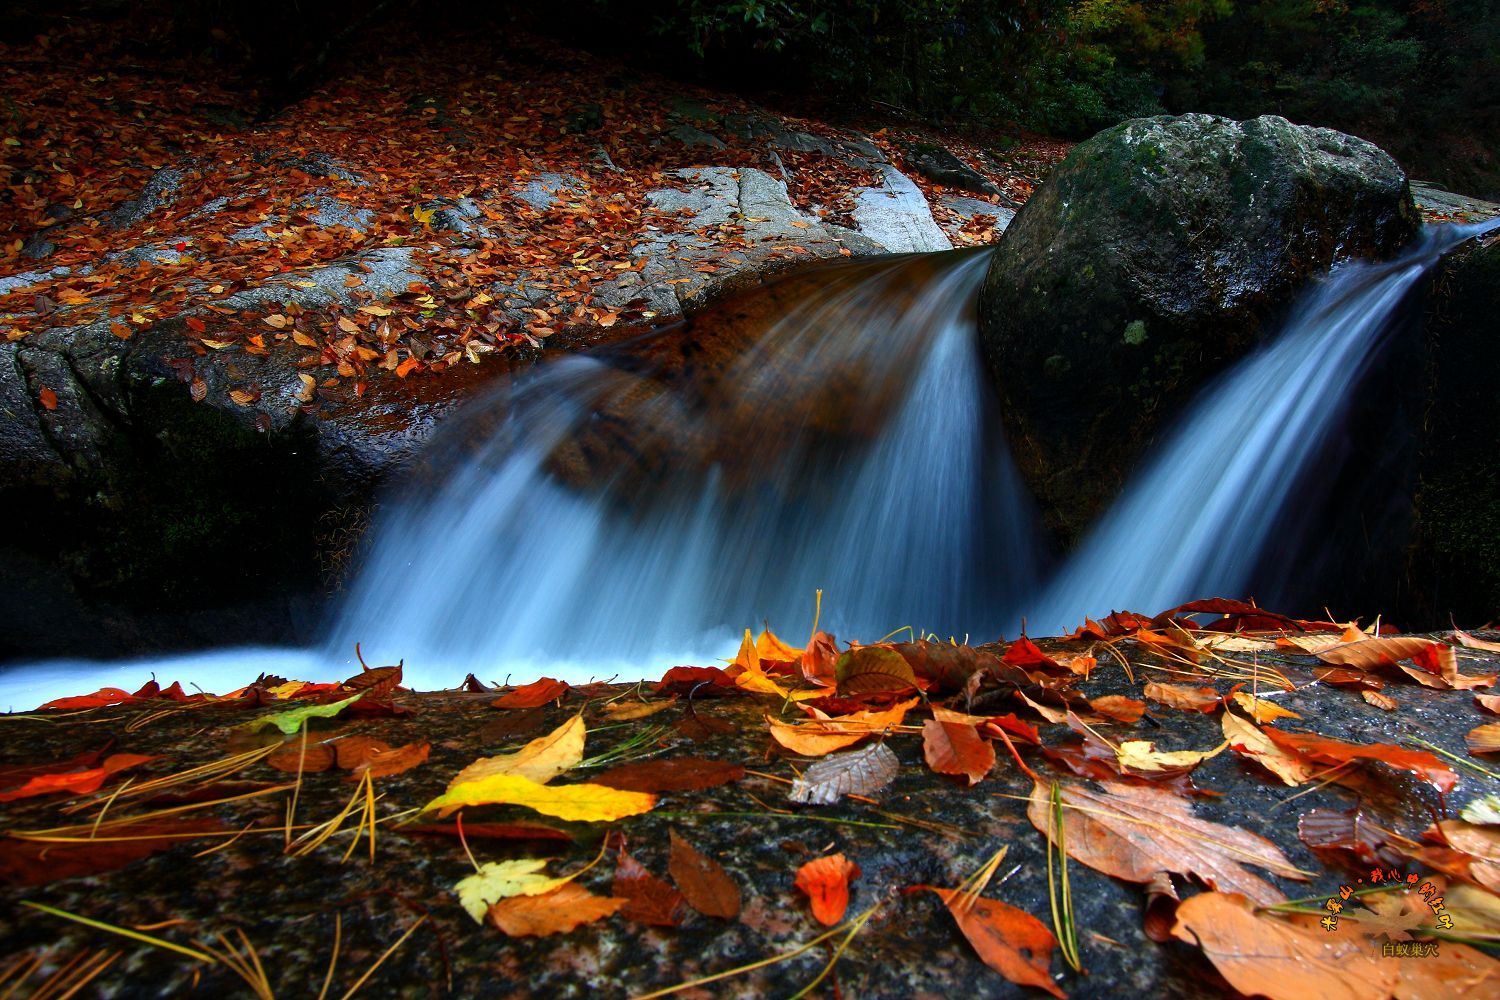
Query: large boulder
x,y
1156,252
1454,566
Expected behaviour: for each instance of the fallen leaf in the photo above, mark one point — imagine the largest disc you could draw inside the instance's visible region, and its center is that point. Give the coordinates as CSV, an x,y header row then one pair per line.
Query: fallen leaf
x,y
48,399
1118,707
1488,702
1264,956
648,899
1199,699
677,774
1384,702
103,698
75,782
1472,642
825,735
1141,755
1261,709
486,831
541,760
1383,651
565,908
871,669
695,681
497,880
383,761
1010,941
1250,741
293,758
293,718
532,695
858,772
1134,831
703,881
1330,751
582,803
33,862
954,747
628,711
825,881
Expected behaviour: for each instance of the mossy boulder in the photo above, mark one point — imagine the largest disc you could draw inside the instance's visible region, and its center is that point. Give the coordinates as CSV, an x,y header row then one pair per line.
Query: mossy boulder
x,y
1159,250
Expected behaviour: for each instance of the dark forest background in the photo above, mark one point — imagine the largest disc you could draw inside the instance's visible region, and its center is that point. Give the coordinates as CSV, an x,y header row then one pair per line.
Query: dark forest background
x,y
1416,76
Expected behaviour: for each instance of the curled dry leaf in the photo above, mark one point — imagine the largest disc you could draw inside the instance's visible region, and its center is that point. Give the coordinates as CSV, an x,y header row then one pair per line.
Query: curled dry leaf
x,y
533,695
1161,908
1199,699
859,772
1135,831
1473,642
699,682
819,659
292,758
559,911
1265,956
1260,708
541,760
1010,941
1384,702
1141,755
1380,651
1488,702
378,684
384,761
648,899
1251,742
496,880
704,882
679,774
827,734
825,881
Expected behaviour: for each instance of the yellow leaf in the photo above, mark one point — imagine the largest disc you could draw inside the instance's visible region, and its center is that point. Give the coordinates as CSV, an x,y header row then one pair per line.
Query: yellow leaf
x,y
499,880
309,385
288,689
768,647
422,215
276,320
298,337
748,656
217,345
583,803
1262,710
1248,740
1140,755
375,310
541,760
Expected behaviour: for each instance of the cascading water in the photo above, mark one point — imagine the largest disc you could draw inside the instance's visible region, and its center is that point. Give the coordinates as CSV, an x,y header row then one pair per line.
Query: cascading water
x,y
846,449
637,508
1198,518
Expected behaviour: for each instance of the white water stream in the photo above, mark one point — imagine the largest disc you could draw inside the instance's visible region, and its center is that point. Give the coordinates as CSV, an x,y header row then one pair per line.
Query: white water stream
x,y
498,563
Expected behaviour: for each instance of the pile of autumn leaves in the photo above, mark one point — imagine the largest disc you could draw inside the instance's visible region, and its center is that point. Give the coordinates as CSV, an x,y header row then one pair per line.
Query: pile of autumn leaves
x,y
1132,819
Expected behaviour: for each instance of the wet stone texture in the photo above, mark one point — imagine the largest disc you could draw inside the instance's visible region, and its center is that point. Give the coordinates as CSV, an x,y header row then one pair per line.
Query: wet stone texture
x,y
924,830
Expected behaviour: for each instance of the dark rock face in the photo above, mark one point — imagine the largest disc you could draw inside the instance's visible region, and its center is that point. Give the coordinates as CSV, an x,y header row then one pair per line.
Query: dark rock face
x,y
1455,561
1156,252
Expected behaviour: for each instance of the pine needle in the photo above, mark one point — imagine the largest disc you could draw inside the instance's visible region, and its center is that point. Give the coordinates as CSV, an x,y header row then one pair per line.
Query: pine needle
x,y
1062,916
155,942
385,955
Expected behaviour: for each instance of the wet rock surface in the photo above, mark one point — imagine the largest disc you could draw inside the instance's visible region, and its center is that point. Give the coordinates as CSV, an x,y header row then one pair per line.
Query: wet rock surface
x,y
1159,250
923,829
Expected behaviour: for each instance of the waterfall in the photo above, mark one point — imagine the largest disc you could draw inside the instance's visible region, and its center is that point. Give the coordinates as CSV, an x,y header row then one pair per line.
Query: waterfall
x,y
1203,510
848,448
617,512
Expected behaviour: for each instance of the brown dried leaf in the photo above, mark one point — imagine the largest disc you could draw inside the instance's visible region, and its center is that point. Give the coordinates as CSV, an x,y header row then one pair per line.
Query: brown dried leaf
x,y
679,774
533,695
1384,702
708,888
649,900
1119,708
1134,831
626,711
1199,699
319,757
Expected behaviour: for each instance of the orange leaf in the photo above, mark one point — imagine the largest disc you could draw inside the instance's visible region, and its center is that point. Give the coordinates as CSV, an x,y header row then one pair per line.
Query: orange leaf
x,y
826,883
532,695
955,748
76,782
99,699
1118,707
1331,751
1201,699
1010,941
679,774
48,399
563,909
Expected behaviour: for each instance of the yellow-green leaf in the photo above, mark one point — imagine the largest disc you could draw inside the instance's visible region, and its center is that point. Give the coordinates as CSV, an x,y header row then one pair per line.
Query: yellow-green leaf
x,y
292,719
497,880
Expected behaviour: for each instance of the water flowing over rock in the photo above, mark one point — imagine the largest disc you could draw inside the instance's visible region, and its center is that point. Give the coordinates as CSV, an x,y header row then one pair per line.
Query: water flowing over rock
x,y
1155,253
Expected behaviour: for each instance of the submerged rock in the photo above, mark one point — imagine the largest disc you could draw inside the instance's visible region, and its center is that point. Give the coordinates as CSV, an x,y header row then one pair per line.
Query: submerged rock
x,y
1157,252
